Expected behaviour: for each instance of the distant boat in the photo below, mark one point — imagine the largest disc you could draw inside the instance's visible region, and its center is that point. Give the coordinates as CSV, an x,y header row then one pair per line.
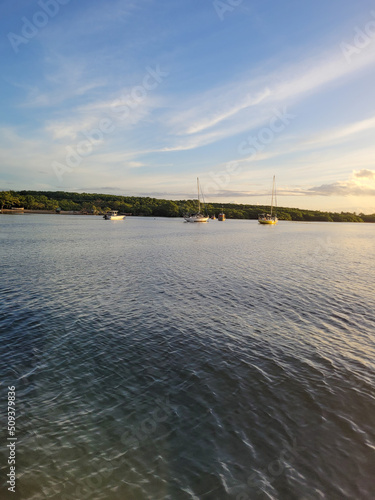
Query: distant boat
x,y
213,217
270,218
221,215
113,215
198,217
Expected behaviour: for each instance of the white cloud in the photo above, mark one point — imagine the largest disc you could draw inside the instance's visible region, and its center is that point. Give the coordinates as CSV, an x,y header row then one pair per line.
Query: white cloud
x,y
360,183
365,174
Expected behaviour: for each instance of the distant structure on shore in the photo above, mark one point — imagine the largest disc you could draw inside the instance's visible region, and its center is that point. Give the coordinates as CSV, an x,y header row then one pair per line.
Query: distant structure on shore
x,y
13,209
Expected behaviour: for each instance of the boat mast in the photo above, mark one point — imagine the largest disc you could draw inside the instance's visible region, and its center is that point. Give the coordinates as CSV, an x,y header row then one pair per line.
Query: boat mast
x,y
273,190
199,205
275,196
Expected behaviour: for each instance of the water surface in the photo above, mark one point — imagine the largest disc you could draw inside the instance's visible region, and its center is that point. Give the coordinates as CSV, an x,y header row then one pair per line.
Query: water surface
x,y
158,359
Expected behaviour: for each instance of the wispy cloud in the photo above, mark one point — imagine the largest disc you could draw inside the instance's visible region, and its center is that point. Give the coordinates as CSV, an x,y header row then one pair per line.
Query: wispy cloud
x,y
64,79
249,102
339,134
117,110
230,111
292,145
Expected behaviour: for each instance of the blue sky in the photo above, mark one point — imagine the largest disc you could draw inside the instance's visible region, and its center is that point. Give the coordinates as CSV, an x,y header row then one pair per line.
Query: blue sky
x,y
140,98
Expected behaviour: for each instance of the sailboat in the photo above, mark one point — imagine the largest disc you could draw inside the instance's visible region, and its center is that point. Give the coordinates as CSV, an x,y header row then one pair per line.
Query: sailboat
x,y
270,218
198,217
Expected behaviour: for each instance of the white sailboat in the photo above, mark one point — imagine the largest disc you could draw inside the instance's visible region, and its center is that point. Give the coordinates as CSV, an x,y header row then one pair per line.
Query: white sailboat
x,y
198,217
270,218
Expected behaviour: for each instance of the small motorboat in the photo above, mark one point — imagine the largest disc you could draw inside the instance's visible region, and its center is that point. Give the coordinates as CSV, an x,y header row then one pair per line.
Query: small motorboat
x,y
113,215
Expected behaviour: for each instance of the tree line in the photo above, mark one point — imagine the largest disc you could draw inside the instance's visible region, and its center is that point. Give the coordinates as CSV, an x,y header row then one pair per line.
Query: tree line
x,y
94,203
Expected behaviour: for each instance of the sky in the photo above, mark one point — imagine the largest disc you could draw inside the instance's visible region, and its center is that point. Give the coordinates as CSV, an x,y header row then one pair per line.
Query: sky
x,y
141,97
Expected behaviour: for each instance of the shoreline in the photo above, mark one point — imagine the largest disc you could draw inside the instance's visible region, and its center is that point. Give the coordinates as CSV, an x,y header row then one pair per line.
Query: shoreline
x,y
52,212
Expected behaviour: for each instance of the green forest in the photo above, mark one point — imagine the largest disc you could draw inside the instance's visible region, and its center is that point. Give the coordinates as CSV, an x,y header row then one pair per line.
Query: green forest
x,y
94,203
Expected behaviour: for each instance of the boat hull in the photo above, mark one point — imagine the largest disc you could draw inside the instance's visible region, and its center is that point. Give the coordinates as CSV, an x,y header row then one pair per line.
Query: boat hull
x,y
272,221
114,217
196,219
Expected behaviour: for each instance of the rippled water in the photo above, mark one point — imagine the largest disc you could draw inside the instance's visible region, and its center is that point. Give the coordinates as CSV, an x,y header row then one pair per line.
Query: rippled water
x,y
155,359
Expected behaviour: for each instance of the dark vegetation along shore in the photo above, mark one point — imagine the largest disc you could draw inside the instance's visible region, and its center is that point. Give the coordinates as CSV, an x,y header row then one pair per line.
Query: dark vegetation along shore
x,y
93,203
